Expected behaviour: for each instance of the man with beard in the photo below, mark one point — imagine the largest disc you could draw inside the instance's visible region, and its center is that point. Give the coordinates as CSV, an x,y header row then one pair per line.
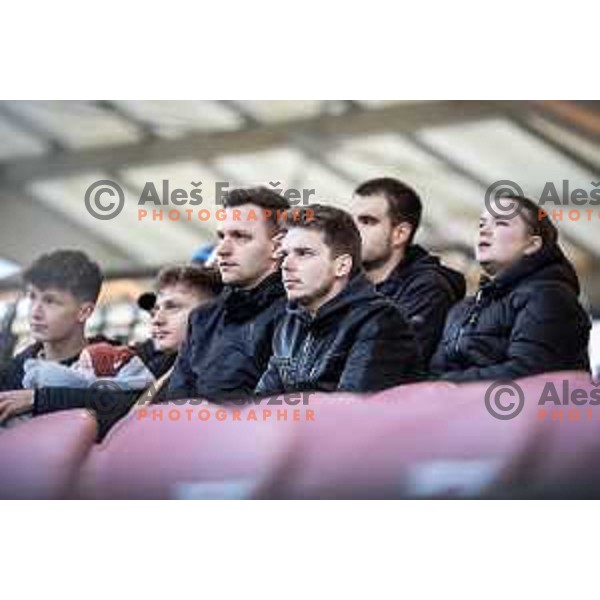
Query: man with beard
x,y
387,213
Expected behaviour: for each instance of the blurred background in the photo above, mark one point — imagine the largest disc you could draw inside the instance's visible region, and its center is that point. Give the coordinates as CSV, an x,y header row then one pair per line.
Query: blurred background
x,y
449,151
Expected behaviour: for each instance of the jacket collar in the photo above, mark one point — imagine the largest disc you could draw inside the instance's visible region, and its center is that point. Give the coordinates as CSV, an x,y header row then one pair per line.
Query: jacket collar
x,y
357,290
413,255
240,305
548,263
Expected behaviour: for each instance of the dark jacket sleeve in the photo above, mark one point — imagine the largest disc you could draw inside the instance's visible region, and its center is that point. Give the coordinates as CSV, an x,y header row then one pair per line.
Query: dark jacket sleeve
x,y
102,401
270,382
384,355
425,303
550,333
11,374
182,383
108,405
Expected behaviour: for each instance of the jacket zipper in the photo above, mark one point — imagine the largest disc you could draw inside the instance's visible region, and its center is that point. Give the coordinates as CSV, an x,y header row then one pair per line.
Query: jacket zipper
x,y
470,320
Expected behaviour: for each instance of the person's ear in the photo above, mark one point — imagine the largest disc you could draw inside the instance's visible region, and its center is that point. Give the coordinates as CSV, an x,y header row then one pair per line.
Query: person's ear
x,y
401,234
85,311
277,240
534,246
343,266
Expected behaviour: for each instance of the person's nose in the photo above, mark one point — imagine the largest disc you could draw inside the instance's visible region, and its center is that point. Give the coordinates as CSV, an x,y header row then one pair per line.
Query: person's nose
x,y
158,317
288,264
485,230
224,247
36,310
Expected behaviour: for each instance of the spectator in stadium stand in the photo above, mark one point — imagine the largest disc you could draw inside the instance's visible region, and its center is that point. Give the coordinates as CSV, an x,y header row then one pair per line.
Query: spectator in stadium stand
x,y
63,288
338,333
180,289
526,317
387,213
228,345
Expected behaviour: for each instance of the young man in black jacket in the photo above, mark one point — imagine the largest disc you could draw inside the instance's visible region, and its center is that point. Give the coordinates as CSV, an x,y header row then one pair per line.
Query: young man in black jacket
x,y
228,344
526,318
387,213
338,333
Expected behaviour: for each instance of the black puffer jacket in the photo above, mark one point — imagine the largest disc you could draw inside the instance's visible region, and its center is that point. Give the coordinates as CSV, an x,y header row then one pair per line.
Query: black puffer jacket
x,y
228,343
425,290
358,341
527,320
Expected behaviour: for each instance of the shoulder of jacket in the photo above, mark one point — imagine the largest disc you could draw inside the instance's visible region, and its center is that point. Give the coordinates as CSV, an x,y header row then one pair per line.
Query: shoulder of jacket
x,y
547,295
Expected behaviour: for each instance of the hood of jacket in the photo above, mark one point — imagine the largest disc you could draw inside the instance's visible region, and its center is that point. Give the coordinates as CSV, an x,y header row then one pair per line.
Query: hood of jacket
x,y
417,261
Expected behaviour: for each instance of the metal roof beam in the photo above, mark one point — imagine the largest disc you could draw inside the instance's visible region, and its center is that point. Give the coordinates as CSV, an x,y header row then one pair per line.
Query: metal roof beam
x,y
205,146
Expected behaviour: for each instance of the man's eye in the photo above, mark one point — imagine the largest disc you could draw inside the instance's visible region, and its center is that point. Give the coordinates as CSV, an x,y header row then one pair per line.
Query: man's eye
x,y
367,220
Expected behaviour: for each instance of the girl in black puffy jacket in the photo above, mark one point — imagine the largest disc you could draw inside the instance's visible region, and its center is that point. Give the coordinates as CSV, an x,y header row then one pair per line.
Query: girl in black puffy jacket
x,y
526,317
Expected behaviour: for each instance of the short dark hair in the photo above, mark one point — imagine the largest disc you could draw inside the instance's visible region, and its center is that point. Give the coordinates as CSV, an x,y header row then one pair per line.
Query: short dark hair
x,y
261,196
538,223
68,270
339,231
404,204
196,277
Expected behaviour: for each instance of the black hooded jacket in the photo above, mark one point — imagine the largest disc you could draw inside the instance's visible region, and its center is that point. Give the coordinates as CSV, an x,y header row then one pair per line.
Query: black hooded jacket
x,y
525,321
228,343
425,290
358,341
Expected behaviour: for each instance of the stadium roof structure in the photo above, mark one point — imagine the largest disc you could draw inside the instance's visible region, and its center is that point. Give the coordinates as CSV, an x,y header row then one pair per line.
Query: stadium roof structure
x,y
450,151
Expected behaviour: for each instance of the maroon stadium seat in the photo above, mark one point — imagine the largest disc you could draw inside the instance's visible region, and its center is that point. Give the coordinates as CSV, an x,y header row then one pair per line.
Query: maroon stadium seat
x,y
437,440
178,458
426,440
41,458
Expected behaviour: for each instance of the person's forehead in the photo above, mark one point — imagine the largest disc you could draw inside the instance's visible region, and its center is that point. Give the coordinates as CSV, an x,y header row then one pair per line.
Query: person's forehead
x,y
302,237
375,205
49,291
244,219
485,215
176,292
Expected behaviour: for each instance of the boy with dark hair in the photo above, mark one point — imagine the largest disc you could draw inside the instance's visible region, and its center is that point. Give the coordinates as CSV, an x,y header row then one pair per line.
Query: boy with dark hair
x,y
228,344
338,333
388,214
62,287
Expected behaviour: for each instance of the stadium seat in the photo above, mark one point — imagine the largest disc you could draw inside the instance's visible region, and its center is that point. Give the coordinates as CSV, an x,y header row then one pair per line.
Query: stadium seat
x,y
173,457
425,440
40,459
438,441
